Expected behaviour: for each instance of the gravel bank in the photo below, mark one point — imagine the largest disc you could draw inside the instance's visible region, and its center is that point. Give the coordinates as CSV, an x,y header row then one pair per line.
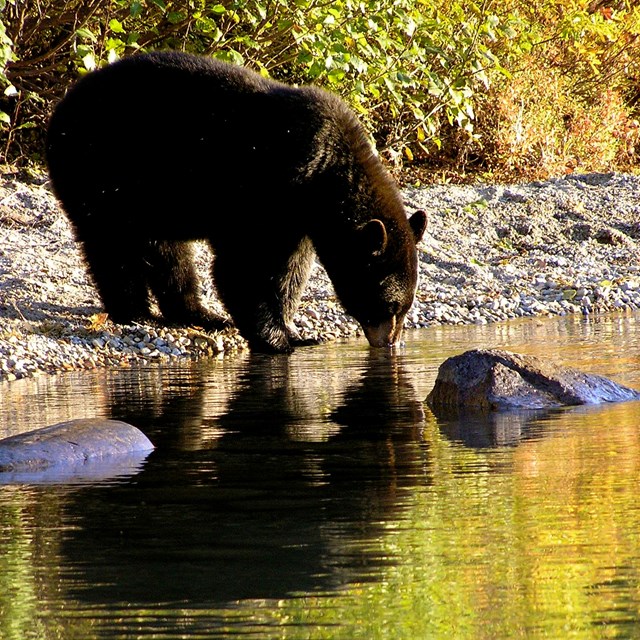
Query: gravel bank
x,y
491,252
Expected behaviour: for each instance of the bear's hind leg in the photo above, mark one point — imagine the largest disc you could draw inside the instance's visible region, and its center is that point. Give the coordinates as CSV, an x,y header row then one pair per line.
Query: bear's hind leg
x,y
119,276
174,283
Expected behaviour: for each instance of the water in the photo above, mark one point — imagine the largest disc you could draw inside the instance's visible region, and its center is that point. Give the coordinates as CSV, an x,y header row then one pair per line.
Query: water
x,y
316,496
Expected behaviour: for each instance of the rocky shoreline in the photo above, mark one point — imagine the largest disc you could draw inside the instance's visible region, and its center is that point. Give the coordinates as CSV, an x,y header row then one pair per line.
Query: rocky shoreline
x,y
491,253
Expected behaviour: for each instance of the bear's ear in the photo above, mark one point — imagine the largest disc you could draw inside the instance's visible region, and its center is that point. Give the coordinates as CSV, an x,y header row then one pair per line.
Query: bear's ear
x,y
374,235
418,222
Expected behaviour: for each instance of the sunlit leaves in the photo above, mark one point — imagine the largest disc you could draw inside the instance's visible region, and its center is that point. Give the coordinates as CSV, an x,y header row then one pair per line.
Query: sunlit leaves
x,y
418,72
229,55
116,26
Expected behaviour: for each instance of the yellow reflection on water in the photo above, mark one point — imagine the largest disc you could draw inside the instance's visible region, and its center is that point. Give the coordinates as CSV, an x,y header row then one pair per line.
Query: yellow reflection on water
x,y
538,539
541,540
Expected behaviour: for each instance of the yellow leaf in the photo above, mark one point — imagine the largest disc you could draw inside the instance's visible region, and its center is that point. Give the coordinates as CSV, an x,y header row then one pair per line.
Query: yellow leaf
x,y
98,320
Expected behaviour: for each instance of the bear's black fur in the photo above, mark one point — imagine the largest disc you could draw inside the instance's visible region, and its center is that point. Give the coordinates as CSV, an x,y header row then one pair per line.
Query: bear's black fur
x,y
160,149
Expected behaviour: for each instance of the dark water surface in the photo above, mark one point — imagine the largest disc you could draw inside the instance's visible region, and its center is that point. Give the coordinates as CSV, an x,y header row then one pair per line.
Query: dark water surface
x,y
316,496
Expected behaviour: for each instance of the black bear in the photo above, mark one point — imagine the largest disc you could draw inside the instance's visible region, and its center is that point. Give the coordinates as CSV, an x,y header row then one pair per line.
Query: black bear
x,y
157,150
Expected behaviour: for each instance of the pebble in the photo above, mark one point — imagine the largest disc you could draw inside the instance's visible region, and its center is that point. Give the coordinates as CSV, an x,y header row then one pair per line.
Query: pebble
x,y
491,253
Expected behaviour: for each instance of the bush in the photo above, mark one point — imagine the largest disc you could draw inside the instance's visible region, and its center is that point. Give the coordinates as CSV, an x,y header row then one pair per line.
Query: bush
x,y
571,103
435,81
544,133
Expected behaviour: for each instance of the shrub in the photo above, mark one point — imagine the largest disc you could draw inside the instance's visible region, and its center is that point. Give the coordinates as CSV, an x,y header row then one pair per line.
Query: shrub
x,y
571,101
406,66
437,82
543,133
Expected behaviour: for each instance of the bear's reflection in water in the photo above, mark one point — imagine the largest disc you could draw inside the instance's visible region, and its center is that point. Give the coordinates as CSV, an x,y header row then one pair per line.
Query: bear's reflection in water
x,y
273,481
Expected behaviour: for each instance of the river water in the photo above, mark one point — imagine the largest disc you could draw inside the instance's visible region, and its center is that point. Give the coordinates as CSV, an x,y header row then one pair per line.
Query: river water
x,y
316,496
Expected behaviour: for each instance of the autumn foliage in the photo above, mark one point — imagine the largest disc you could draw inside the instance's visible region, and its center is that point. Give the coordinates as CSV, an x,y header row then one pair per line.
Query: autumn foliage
x,y
504,90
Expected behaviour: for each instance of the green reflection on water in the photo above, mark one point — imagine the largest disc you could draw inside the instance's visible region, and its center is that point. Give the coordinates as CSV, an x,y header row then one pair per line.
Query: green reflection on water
x,y
21,586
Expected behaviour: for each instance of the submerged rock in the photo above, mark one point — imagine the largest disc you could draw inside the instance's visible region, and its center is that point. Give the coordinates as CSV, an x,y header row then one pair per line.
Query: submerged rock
x,y
71,446
495,380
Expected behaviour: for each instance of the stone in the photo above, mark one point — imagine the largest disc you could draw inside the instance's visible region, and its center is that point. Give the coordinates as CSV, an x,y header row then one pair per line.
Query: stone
x,y
495,380
74,447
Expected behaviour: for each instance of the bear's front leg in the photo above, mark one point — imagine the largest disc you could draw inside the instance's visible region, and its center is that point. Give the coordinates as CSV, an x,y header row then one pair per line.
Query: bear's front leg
x,y
263,298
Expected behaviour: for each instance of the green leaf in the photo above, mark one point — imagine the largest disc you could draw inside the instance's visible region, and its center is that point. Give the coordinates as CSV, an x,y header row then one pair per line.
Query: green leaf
x,y
175,17
229,55
116,26
26,125
86,34
336,75
135,10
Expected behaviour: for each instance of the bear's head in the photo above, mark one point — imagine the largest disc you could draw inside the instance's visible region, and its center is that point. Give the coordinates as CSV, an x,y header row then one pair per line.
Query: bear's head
x,y
378,277
359,225
392,278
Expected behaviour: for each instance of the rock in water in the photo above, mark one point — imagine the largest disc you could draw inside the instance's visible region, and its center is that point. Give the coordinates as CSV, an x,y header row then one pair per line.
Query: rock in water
x,y
495,380
71,445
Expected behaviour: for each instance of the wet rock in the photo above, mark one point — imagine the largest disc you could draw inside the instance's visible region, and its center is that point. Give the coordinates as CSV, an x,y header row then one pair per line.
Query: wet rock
x,y
495,380
71,445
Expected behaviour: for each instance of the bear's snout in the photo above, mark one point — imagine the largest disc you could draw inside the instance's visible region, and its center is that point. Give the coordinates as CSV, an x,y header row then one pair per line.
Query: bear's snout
x,y
386,334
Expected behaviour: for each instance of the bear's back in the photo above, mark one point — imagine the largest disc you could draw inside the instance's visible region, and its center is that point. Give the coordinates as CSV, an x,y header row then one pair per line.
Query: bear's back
x,y
156,102
166,132
173,130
